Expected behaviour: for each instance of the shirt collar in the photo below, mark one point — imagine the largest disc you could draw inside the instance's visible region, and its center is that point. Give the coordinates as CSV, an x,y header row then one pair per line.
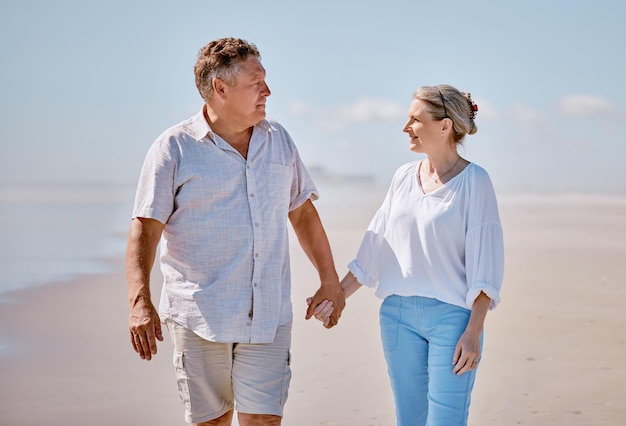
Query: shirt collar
x,y
201,129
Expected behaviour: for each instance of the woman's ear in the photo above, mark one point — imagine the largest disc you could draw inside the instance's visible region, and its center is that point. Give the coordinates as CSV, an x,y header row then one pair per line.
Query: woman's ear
x,y
446,124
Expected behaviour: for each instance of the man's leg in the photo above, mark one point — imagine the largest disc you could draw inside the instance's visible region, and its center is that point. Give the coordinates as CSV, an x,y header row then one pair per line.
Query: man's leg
x,y
258,419
203,372
261,377
224,420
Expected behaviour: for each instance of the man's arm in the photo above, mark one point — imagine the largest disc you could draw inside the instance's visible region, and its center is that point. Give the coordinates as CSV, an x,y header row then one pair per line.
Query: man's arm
x,y
349,285
312,237
144,323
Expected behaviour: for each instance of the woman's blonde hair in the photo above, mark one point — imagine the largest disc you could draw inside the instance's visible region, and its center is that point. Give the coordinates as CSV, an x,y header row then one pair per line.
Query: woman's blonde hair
x,y
446,101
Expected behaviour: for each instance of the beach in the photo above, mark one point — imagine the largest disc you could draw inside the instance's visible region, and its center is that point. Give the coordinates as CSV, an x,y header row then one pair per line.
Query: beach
x,y
553,350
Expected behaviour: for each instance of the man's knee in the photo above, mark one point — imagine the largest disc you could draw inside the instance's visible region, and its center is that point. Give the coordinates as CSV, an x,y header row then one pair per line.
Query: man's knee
x,y
223,420
259,419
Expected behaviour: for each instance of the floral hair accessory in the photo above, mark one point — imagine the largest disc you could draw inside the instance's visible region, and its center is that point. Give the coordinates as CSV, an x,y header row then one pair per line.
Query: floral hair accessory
x,y
473,108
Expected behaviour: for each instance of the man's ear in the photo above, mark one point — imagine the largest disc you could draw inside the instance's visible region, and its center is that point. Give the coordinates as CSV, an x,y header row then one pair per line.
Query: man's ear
x,y
219,87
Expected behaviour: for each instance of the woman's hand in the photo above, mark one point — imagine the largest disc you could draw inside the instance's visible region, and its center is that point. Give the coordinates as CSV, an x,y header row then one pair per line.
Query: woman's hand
x,y
322,311
467,353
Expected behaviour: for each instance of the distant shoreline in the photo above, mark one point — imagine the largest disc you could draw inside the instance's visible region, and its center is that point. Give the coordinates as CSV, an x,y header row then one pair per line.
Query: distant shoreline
x,y
337,196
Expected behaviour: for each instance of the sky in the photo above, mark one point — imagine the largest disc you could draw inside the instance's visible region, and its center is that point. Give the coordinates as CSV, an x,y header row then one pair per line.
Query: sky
x,y
87,86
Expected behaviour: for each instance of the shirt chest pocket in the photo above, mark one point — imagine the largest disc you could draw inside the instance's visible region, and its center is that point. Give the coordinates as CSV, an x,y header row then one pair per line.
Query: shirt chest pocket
x,y
278,182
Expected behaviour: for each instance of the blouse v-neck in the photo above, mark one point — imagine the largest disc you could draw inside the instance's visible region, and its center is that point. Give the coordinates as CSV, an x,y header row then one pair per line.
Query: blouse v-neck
x,y
443,185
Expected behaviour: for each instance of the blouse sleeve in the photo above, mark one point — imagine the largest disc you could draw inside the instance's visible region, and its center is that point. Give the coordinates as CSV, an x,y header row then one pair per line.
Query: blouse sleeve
x,y
366,266
484,250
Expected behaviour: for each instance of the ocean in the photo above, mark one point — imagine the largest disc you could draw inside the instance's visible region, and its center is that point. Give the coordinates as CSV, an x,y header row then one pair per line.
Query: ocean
x,y
54,233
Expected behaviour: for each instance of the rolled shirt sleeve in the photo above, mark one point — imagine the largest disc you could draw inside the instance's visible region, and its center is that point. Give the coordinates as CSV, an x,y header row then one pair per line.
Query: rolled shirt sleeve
x,y
154,198
484,243
484,262
302,187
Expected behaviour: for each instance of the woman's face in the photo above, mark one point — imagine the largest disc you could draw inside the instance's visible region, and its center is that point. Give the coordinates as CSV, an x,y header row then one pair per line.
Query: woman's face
x,y
424,133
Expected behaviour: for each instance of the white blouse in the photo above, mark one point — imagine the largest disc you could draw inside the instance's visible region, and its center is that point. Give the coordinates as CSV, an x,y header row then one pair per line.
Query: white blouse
x,y
445,245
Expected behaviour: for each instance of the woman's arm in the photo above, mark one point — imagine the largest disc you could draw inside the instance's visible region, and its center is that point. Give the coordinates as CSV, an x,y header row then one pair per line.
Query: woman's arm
x,y
467,352
349,285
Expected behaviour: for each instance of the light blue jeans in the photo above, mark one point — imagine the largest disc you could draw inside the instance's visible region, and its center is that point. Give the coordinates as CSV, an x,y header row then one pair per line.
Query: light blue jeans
x,y
419,336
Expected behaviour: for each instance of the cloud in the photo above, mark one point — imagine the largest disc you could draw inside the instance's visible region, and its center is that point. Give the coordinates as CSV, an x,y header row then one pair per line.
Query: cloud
x,y
528,118
362,111
588,106
299,108
486,111
527,126
371,110
575,122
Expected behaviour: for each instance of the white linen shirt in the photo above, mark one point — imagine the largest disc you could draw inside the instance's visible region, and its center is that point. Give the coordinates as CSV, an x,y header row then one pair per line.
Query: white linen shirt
x,y
446,244
224,250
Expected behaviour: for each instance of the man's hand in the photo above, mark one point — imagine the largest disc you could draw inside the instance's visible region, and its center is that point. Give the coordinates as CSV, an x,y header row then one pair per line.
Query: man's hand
x,y
144,323
313,240
145,327
327,294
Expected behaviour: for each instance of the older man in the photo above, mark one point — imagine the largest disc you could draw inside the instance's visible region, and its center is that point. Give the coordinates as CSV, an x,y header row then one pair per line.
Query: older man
x,y
217,191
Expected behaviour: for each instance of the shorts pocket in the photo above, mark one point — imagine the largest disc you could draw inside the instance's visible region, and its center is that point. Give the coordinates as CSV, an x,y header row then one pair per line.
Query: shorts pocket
x,y
182,379
284,390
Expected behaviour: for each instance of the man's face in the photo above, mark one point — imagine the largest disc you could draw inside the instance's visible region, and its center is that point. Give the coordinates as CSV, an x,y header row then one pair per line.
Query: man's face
x,y
247,97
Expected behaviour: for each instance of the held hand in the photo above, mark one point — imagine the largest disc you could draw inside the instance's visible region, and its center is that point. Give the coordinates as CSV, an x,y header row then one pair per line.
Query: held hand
x,y
145,327
333,294
466,354
322,311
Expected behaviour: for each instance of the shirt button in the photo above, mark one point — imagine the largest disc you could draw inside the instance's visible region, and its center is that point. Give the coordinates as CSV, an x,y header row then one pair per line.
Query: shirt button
x,y
251,195
256,224
249,314
256,254
254,284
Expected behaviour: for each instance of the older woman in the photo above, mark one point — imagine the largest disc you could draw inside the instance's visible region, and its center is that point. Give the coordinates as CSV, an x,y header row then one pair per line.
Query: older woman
x,y
434,253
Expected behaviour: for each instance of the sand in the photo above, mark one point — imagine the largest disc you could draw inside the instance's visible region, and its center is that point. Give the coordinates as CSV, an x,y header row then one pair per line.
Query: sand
x,y
553,354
